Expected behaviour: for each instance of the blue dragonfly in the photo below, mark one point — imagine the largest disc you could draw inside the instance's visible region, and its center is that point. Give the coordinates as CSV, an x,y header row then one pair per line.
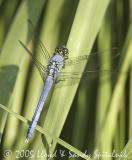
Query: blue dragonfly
x,y
53,74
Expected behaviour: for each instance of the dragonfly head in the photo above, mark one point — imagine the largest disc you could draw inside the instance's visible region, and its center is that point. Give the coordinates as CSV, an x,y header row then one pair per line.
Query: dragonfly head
x,y
62,50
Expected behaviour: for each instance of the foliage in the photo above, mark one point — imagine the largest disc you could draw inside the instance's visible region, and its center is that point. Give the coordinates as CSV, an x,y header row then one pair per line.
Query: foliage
x,y
85,120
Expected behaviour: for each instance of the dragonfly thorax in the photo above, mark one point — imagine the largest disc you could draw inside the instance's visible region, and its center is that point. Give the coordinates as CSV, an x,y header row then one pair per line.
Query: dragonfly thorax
x,y
55,65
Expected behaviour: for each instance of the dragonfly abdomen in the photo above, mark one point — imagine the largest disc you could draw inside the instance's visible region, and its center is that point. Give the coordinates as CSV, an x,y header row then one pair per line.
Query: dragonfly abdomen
x,y
55,65
44,94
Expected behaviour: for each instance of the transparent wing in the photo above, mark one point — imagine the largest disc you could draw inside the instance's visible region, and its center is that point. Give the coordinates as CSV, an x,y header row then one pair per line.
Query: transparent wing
x,y
75,60
41,68
44,52
93,69
66,78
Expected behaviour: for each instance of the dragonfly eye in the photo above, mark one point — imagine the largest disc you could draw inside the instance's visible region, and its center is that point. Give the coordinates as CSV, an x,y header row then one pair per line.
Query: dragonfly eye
x,y
57,49
66,52
62,50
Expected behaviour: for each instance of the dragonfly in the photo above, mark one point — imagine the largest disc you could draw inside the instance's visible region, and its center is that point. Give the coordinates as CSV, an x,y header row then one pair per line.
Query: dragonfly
x,y
53,74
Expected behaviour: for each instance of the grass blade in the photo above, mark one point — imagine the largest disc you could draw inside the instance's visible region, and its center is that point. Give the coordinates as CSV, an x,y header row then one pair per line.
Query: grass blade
x,y
81,39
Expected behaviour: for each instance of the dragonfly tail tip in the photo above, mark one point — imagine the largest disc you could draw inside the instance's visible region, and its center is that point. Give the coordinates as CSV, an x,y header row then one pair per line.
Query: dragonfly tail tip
x,y
27,140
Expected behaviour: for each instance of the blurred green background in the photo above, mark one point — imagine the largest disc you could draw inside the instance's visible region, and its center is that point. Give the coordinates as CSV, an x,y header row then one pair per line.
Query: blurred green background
x,y
92,118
